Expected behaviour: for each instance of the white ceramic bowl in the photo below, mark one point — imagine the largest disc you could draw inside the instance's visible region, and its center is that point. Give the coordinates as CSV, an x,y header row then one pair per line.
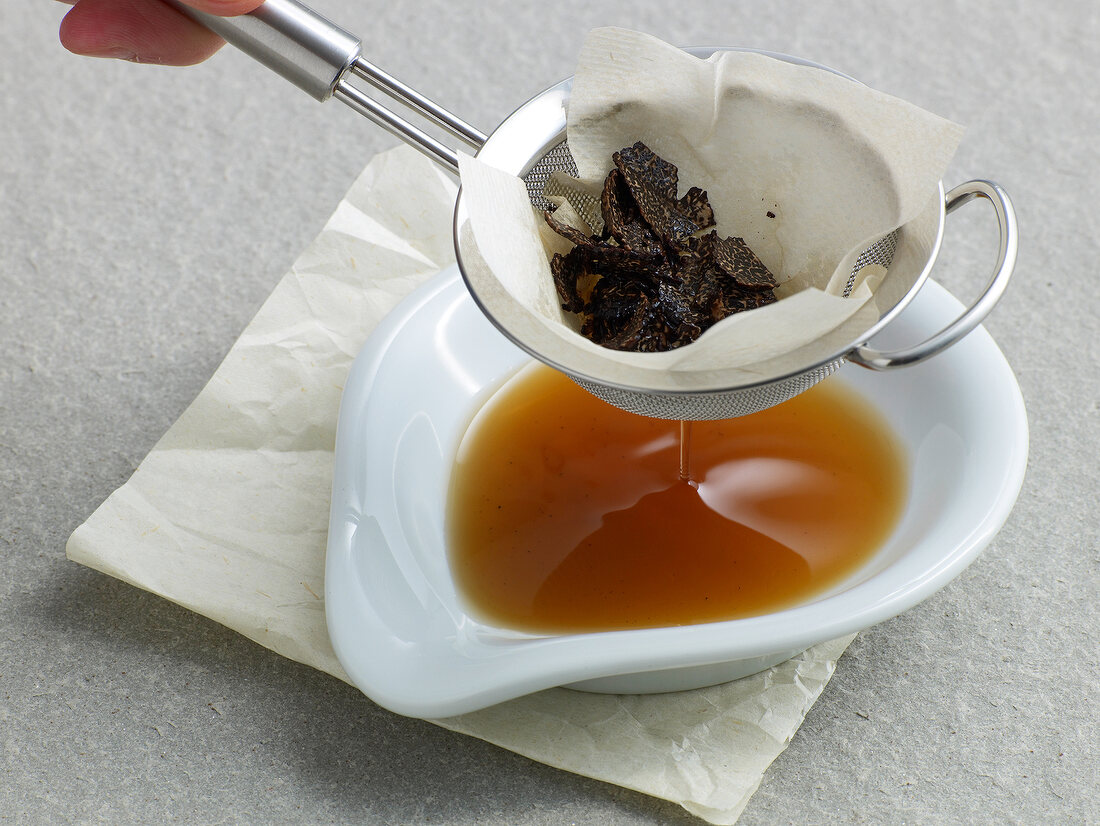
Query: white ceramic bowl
x,y
401,631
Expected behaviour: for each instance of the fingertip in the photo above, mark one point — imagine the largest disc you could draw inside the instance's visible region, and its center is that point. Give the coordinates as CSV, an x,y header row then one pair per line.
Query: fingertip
x,y
81,34
136,30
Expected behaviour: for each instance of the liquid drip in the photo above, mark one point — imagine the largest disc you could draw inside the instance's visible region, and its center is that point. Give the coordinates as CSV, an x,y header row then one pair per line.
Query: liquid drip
x,y
569,515
685,450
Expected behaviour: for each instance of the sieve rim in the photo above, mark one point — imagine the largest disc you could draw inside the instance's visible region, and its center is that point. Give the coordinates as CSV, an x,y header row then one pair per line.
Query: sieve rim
x,y
523,138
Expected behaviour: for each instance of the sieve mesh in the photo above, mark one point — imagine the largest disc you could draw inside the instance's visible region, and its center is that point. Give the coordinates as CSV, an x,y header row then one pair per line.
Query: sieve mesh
x,y
725,404
702,405
557,159
881,252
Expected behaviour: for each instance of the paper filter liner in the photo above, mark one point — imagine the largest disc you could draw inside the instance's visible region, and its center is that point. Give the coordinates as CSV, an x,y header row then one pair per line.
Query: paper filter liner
x,y
808,166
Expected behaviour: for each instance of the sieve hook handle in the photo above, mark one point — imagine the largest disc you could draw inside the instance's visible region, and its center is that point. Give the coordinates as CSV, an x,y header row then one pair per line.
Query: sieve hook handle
x,y
1006,260
321,58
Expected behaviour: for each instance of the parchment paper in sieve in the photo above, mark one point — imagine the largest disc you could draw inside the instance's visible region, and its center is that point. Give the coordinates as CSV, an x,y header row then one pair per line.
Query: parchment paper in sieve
x,y
838,165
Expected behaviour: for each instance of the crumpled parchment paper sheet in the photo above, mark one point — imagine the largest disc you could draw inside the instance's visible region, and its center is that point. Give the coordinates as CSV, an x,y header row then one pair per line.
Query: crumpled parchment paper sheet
x,y
228,514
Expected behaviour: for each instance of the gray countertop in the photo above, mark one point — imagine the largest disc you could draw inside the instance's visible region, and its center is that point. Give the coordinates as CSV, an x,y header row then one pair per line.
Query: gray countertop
x,y
146,212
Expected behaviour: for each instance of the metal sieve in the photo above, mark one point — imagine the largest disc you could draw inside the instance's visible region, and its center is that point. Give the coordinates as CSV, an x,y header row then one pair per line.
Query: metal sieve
x,y
323,59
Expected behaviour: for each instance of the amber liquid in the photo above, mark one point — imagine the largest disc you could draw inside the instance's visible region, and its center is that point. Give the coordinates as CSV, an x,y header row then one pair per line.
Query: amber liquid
x,y
569,515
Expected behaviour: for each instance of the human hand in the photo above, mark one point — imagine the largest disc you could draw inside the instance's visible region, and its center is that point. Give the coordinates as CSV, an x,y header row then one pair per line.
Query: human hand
x,y
144,31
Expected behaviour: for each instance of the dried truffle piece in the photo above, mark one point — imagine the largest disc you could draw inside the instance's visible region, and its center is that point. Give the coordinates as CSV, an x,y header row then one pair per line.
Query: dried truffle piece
x,y
652,181
715,291
615,301
696,206
659,322
652,280
705,291
644,165
649,179
644,332
697,252
628,313
603,258
730,298
698,272
566,231
590,259
621,218
639,333
679,312
567,270
741,264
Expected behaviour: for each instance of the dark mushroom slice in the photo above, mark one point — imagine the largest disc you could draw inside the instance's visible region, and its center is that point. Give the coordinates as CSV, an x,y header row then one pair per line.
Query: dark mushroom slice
x,y
679,314
696,205
643,332
567,271
648,178
697,272
614,303
607,259
652,181
697,252
628,313
621,218
741,264
648,170
567,231
653,280
606,255
730,298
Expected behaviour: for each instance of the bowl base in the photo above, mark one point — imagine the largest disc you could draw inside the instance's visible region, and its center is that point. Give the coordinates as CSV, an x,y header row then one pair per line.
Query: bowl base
x,y
681,679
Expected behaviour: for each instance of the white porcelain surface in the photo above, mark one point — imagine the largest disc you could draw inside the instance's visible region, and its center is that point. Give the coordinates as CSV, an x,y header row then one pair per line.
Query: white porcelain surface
x,y
399,628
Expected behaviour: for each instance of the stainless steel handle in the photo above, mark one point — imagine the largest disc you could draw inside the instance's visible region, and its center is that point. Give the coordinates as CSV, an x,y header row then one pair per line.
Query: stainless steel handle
x,y
319,57
1002,271
290,39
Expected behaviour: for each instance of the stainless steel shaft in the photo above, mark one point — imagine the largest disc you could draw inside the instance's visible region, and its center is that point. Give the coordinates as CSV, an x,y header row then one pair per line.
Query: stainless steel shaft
x,y
292,40
321,58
